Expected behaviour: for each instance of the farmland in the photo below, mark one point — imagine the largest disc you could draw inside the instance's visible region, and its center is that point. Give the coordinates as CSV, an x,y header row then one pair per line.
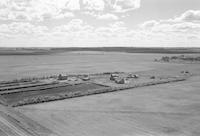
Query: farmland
x,y
13,67
70,86
169,110
15,97
158,99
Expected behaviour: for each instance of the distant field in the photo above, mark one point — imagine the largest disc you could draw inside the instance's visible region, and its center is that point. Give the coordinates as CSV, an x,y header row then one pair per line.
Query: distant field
x,y
46,51
132,50
13,67
23,51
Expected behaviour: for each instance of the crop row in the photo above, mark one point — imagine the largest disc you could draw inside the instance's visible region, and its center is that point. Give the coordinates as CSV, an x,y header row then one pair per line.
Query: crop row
x,y
24,86
34,88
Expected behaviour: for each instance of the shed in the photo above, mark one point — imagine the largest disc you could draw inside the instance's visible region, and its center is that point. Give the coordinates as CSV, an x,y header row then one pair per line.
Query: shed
x,y
122,81
113,77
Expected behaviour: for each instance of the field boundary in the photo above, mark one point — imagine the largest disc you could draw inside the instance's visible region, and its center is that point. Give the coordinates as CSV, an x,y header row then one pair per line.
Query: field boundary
x,y
62,96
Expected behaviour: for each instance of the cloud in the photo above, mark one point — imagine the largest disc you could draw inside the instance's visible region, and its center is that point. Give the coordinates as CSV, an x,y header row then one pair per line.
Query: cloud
x,y
21,28
78,33
116,29
103,16
97,5
126,5
65,15
82,34
111,5
39,10
190,16
72,4
149,24
75,32
107,16
76,28
179,30
183,30
188,22
75,25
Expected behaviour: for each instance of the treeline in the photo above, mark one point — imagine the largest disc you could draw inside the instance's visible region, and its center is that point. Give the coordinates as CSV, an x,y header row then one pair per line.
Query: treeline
x,y
48,50
132,50
180,58
26,79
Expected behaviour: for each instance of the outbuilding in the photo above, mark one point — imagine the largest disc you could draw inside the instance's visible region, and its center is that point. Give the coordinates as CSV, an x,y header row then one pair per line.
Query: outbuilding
x,y
85,78
122,81
113,77
133,76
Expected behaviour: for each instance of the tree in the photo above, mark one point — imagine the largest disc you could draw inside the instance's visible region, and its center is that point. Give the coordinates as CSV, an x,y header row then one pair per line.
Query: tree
x,y
166,59
59,77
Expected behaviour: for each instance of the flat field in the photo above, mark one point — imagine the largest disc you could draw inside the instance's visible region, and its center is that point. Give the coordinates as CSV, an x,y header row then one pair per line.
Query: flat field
x,y
162,110
13,67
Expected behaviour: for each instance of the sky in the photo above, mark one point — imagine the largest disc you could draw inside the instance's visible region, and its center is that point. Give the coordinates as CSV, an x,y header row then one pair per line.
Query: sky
x,y
99,23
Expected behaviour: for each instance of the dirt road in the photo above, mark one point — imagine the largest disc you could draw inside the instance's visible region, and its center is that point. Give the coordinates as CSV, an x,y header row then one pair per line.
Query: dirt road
x,y
13,123
11,129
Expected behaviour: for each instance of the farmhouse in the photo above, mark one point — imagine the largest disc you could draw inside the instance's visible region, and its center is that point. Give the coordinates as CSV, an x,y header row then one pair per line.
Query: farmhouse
x,y
113,77
61,77
152,77
72,78
85,78
185,72
133,76
122,81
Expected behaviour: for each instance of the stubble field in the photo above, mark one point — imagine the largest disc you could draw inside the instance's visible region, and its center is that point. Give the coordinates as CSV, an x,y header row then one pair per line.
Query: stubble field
x,y
13,67
161,110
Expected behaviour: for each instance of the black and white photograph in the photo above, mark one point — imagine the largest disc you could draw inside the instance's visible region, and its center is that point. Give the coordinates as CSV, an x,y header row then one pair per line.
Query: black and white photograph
x,y
99,67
